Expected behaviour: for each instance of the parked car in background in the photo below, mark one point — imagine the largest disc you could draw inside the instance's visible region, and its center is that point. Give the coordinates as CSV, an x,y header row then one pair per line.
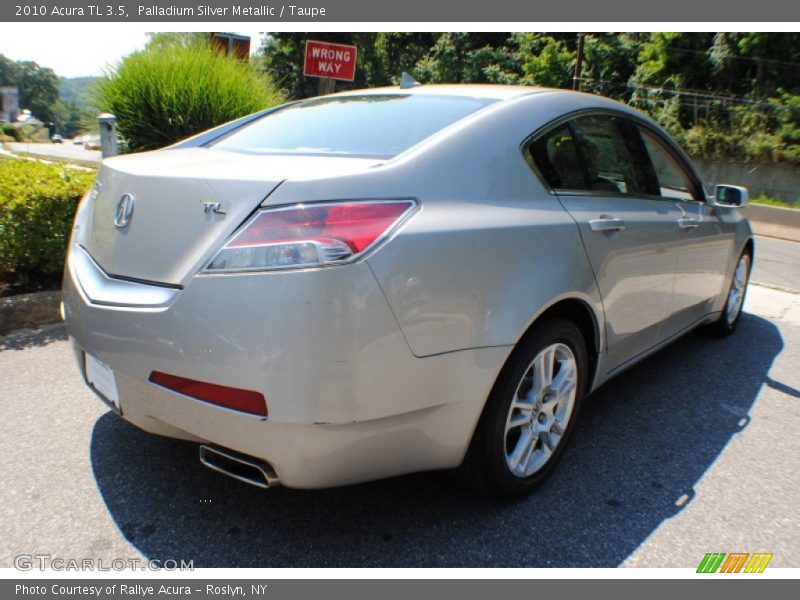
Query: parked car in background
x,y
395,280
91,143
56,139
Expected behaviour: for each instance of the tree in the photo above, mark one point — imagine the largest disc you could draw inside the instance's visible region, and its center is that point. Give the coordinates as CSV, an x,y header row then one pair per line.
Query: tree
x,y
38,87
9,71
546,60
720,93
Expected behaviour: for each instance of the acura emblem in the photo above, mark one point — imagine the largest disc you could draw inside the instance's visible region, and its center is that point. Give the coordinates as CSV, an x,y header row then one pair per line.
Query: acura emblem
x,y
124,211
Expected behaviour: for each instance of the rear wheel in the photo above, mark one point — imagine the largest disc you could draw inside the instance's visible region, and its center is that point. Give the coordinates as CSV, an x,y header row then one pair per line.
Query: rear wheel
x,y
736,295
529,415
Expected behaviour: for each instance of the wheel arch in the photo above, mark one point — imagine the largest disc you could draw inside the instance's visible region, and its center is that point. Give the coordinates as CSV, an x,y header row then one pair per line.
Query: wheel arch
x,y
750,248
579,312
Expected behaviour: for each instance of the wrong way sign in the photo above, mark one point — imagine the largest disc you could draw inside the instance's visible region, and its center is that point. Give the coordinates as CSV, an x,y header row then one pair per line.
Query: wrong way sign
x,y
332,61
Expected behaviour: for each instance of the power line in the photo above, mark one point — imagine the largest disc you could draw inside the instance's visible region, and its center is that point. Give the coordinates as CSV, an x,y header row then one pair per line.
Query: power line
x,y
706,54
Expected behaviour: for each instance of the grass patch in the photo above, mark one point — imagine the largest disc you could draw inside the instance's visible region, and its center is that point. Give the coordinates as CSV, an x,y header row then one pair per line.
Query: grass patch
x,y
770,201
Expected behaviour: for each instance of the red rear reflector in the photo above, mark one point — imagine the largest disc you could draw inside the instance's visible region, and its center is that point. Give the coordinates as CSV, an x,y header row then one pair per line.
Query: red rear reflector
x,y
247,401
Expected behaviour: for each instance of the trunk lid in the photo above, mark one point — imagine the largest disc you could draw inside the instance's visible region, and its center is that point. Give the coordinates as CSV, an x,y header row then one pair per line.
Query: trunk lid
x,y
173,228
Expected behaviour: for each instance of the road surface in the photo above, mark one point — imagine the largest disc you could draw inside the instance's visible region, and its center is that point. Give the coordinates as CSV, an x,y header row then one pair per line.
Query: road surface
x,y
65,151
695,450
777,263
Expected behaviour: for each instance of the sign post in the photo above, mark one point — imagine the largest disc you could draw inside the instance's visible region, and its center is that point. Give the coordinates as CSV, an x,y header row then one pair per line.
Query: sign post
x,y
329,62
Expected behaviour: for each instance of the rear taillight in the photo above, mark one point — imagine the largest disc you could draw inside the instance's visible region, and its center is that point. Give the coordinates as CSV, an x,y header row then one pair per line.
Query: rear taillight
x,y
310,235
234,398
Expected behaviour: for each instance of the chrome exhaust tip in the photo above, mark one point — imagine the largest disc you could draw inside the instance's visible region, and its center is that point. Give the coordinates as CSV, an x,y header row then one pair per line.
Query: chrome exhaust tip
x,y
239,466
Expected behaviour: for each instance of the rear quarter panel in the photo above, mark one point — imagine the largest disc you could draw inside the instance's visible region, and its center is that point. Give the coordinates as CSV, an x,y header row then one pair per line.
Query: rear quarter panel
x,y
490,248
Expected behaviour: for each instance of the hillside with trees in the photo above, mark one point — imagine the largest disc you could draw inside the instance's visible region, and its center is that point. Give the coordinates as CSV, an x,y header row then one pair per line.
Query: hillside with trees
x,y
734,95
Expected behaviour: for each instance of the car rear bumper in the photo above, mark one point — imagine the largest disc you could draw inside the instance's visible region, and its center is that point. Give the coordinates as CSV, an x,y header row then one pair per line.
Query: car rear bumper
x,y
347,400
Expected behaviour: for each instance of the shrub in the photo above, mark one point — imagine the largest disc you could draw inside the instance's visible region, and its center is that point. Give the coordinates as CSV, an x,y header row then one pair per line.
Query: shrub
x,y
37,205
164,94
12,132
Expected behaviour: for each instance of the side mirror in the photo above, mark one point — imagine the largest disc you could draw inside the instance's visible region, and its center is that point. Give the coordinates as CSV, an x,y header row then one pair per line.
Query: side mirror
x,y
731,195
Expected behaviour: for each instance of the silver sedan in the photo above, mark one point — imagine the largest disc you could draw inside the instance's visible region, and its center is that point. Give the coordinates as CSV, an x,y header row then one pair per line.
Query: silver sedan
x,y
386,281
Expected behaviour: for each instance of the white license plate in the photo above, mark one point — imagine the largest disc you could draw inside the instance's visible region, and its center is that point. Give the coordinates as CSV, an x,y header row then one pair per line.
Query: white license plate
x,y
101,377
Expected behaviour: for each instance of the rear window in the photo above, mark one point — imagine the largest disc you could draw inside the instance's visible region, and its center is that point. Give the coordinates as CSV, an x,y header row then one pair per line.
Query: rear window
x,y
370,125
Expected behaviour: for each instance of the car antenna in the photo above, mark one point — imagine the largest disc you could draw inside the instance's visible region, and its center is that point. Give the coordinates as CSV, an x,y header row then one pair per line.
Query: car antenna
x,y
407,81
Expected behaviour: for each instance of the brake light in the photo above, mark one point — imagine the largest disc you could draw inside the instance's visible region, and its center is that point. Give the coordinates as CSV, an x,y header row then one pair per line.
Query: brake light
x,y
221,395
308,235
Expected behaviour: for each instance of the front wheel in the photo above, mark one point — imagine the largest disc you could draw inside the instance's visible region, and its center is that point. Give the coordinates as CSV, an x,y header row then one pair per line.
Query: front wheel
x,y
530,413
736,295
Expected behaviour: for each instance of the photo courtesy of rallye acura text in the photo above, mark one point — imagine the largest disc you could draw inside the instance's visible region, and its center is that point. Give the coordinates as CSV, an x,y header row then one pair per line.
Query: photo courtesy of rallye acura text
x,y
379,282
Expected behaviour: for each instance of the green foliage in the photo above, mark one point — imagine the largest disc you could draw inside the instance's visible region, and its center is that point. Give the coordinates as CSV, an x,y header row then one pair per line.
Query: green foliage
x,y
77,90
545,60
12,132
787,117
37,205
721,94
171,91
38,91
770,201
38,88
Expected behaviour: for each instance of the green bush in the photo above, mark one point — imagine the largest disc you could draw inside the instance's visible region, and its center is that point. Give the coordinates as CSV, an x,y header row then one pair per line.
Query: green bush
x,y
164,94
12,132
37,205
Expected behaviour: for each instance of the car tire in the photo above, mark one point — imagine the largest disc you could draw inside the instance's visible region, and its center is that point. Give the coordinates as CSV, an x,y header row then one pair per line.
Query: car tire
x,y
737,291
494,462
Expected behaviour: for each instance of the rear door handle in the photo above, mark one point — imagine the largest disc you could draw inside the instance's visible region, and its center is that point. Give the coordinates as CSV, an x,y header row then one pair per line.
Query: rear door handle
x,y
686,223
605,223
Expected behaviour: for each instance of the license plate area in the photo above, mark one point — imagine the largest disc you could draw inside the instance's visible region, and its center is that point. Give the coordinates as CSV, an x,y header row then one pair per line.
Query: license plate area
x,y
101,378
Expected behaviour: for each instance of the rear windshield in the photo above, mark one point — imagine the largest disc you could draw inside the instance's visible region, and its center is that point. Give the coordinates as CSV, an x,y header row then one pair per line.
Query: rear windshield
x,y
369,125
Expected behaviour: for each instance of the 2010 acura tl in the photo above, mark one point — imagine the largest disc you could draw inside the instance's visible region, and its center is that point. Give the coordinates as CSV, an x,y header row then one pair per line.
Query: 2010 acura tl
x,y
386,281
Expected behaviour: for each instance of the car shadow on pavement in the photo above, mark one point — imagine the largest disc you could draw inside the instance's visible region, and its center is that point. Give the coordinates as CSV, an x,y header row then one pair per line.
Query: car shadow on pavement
x,y
22,339
642,443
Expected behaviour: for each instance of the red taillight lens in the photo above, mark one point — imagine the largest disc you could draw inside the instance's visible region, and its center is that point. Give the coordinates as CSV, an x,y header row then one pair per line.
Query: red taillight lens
x,y
308,235
233,398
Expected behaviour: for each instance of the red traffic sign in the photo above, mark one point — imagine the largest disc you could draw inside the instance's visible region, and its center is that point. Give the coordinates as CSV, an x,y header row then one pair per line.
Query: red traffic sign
x,y
334,61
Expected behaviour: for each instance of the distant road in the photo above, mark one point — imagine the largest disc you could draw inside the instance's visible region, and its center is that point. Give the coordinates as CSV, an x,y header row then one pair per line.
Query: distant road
x,y
67,150
777,263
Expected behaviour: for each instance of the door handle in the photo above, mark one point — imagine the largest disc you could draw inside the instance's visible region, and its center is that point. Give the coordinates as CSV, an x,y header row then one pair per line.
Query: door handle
x,y
605,223
686,223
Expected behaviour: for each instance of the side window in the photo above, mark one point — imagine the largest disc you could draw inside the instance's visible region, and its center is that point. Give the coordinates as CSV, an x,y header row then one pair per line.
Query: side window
x,y
557,159
611,159
673,180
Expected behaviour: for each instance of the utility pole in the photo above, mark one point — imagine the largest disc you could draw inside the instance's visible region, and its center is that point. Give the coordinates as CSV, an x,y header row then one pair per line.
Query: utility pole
x,y
576,78
326,86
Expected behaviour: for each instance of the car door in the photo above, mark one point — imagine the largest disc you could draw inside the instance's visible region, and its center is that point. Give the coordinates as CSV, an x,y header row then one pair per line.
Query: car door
x,y
705,244
628,232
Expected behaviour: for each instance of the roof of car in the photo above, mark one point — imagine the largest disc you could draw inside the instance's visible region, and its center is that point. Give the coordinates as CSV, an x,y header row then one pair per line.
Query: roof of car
x,y
496,92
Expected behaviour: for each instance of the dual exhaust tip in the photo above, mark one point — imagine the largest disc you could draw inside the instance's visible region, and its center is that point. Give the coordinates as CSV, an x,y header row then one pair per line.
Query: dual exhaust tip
x,y
243,468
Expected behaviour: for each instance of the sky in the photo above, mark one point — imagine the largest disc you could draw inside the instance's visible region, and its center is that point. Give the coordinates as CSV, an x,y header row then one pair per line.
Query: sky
x,y
76,49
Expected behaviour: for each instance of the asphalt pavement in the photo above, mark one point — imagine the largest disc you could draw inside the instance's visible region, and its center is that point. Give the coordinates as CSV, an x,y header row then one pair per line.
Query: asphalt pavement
x,y
695,450
67,150
777,263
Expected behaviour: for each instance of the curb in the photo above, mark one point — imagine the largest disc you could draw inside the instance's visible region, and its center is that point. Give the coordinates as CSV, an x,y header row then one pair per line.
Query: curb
x,y
774,221
29,310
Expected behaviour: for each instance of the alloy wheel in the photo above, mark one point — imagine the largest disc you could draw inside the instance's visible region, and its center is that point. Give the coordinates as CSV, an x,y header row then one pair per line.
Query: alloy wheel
x,y
541,409
736,293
